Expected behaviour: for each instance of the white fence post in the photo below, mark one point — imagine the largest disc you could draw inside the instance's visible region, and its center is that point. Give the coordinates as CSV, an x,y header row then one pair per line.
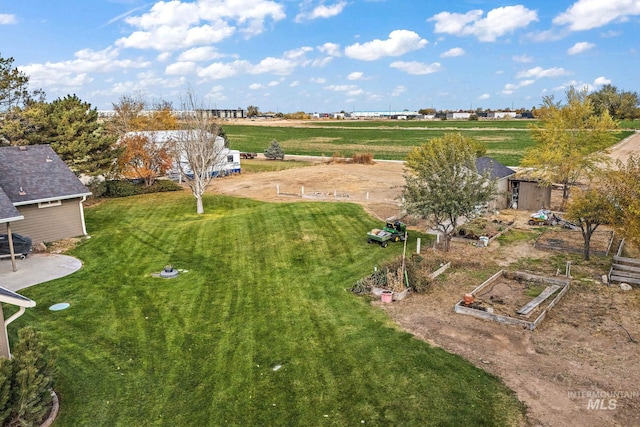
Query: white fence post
x,y
418,245
302,190
278,189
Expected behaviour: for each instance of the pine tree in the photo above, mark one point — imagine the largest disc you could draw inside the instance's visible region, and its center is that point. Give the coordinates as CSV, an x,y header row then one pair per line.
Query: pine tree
x,y
274,151
5,389
33,371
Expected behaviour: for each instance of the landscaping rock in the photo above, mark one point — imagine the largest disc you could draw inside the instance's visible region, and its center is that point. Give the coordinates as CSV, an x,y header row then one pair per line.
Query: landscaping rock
x,y
625,286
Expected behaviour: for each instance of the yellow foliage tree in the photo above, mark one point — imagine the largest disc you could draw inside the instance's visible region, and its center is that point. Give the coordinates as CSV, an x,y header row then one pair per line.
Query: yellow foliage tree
x,y
143,158
589,208
571,141
621,186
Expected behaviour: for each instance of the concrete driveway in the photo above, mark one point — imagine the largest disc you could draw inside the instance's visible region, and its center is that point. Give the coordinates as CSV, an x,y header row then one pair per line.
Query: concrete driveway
x,y
36,269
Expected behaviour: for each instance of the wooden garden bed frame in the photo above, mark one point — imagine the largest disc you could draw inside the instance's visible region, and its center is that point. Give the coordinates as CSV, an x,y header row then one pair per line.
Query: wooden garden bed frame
x,y
563,285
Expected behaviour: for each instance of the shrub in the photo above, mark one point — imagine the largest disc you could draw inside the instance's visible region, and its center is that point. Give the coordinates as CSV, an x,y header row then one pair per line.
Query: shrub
x,y
30,375
362,158
124,188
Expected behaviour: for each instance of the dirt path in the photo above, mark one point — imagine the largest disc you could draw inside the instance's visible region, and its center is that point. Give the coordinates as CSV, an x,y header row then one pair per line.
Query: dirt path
x,y
588,344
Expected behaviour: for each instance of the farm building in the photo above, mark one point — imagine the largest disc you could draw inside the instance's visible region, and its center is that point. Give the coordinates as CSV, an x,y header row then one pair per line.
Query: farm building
x,y
459,115
528,194
228,160
501,115
40,196
501,174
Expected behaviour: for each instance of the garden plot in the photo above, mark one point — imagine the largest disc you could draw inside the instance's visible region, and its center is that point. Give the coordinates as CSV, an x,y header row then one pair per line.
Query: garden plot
x,y
572,241
489,227
514,298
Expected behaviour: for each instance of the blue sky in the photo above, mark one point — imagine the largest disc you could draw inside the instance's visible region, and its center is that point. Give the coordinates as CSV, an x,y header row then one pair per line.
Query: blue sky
x,y
323,55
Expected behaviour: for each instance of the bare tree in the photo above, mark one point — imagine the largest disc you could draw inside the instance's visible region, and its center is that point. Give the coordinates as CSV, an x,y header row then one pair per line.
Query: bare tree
x,y
200,153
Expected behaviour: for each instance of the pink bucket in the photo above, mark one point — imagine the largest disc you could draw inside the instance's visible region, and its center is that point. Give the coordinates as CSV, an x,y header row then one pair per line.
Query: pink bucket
x,y
386,296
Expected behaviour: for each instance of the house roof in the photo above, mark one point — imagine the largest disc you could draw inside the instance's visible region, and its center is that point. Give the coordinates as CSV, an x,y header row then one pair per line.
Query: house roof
x,y
35,173
11,297
496,169
8,212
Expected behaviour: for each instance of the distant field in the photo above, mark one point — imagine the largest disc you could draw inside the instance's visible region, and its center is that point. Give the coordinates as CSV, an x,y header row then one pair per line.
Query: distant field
x,y
506,141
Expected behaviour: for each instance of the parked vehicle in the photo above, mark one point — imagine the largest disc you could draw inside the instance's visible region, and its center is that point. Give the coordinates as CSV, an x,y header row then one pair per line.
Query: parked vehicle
x,y
22,245
392,232
247,155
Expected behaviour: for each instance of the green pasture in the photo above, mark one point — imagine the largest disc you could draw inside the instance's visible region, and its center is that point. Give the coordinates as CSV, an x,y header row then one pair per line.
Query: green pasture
x,y
257,330
384,139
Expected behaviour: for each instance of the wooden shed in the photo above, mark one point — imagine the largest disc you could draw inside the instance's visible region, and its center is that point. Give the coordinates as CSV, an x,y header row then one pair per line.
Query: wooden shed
x,y
528,194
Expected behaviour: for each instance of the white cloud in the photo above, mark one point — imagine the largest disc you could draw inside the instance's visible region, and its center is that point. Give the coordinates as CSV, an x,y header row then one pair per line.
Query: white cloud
x,y
331,49
197,54
580,47
180,68
356,75
341,88
398,90
539,72
601,81
171,25
509,88
73,73
417,68
322,11
220,70
255,86
294,84
398,43
318,80
498,22
484,96
273,83
6,19
456,51
588,14
522,58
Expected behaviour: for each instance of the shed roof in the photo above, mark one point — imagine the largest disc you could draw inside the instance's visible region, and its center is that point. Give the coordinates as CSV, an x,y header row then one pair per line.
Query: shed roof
x,y
497,169
35,173
11,297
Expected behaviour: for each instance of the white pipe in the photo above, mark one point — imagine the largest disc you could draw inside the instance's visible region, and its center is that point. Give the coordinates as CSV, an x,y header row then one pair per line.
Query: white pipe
x,y
15,316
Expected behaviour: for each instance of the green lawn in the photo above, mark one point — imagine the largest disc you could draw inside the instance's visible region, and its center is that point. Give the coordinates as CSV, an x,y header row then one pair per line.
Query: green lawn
x,y
506,141
264,288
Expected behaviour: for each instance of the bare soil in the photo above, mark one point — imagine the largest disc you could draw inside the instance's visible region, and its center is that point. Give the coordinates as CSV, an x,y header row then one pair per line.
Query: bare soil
x,y
587,344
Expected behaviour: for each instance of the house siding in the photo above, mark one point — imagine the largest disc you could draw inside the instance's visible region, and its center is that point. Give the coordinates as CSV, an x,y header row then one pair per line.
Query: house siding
x,y
51,223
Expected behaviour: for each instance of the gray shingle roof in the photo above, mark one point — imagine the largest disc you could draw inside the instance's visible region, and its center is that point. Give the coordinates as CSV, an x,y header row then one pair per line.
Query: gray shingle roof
x,y
35,173
497,169
8,212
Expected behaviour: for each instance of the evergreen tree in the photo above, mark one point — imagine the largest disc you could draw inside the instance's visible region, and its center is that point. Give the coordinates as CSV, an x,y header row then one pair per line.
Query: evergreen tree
x,y
274,151
33,371
5,389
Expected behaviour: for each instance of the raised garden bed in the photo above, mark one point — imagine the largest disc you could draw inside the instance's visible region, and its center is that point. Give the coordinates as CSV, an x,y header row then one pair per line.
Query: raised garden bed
x,y
572,241
490,228
513,298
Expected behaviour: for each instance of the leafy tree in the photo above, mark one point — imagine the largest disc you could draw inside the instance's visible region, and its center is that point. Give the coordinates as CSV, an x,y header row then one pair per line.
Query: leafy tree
x,y
571,141
196,150
443,185
274,151
32,379
143,158
621,186
619,104
588,208
427,111
252,111
126,117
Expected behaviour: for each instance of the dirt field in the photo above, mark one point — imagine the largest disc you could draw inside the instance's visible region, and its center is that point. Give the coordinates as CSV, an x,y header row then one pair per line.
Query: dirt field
x,y
588,344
